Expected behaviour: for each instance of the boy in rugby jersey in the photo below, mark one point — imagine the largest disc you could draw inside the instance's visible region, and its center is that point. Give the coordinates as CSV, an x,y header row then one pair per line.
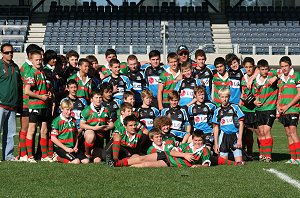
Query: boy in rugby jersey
x,y
64,136
185,87
137,78
84,82
72,67
181,127
146,113
120,82
266,100
201,114
249,111
94,71
36,89
220,79
289,107
158,144
168,80
228,128
152,72
95,122
164,123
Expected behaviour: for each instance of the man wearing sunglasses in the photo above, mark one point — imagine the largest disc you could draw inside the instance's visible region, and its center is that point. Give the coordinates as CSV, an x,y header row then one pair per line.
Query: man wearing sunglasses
x,y
183,54
9,83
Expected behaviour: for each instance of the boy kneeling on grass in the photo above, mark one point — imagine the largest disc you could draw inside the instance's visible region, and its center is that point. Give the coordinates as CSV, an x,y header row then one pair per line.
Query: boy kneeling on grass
x,y
64,136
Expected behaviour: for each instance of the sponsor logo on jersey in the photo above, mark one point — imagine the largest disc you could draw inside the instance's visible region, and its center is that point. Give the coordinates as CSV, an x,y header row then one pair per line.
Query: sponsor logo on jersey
x,y
230,111
153,80
176,124
292,81
179,116
138,78
151,113
188,93
200,118
235,83
226,120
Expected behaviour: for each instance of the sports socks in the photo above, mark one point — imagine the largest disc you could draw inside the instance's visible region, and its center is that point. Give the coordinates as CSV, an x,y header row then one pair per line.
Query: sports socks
x,y
267,146
43,143
22,143
122,162
29,147
297,149
88,147
50,147
292,149
62,160
116,149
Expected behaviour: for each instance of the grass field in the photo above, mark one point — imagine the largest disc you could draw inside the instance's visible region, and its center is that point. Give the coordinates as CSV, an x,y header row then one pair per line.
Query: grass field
x,y
60,180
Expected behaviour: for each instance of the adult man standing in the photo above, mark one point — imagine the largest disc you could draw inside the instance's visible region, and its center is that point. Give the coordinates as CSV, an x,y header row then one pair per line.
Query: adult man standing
x,y
9,83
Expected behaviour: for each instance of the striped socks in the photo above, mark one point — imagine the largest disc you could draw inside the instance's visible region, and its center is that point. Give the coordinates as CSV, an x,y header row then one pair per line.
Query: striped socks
x,y
22,143
43,143
116,149
29,147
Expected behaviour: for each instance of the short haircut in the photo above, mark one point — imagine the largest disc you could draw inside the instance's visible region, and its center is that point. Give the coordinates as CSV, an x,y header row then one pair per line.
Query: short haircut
x,y
200,52
162,121
95,92
62,59
248,60
198,133
72,82
66,103
113,61
200,89
224,90
231,57
173,95
83,60
36,52
105,86
262,63
49,55
31,47
186,65
130,118
147,93
5,45
172,55
126,94
71,53
125,106
153,132
285,59
92,58
109,52
219,60
132,57
154,53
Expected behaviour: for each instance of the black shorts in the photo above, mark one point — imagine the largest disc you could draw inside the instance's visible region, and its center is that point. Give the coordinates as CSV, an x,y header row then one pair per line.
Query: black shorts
x,y
289,119
266,117
163,156
208,139
69,156
228,142
25,112
250,120
97,147
39,115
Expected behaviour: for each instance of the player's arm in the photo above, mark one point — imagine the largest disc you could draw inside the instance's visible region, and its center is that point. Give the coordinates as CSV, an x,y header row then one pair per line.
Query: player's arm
x,y
30,93
187,136
159,95
85,126
200,165
188,156
284,108
251,79
216,129
241,129
59,144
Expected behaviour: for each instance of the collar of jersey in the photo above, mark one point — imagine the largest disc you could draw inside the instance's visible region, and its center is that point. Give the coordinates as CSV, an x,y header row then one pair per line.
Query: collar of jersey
x,y
157,147
28,62
65,119
132,138
86,80
290,74
258,81
191,145
169,71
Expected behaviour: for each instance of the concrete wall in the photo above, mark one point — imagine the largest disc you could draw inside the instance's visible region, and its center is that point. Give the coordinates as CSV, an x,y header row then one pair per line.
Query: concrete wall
x,y
19,58
9,2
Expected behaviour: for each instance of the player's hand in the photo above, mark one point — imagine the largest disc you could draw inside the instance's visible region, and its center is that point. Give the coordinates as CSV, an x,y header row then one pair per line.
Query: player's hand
x,y
69,150
258,103
75,149
249,83
272,80
98,127
284,108
239,144
44,97
189,157
217,149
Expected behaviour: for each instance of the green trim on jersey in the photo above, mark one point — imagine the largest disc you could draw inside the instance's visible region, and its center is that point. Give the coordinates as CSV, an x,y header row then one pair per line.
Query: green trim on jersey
x,y
84,88
246,92
23,70
219,83
169,84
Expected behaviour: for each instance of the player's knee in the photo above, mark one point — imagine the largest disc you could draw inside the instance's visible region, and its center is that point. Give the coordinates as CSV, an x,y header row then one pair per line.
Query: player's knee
x,y
85,161
75,161
97,160
116,137
89,136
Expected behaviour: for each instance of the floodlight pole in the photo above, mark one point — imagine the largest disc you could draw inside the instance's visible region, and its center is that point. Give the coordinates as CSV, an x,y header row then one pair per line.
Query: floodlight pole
x,y
163,32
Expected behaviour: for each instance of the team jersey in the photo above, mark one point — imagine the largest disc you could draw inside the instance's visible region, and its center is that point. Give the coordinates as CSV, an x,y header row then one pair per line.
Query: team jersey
x,y
137,79
219,82
179,120
106,71
50,76
205,75
147,116
154,148
23,70
152,78
84,88
38,85
185,88
168,81
119,126
235,77
246,91
201,156
122,82
266,93
228,118
169,138
93,117
64,130
201,116
78,105
288,91
113,106
131,142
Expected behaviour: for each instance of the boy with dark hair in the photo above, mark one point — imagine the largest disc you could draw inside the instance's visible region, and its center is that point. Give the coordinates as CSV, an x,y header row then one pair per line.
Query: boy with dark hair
x,y
84,82
120,82
168,80
164,123
266,99
288,106
71,69
94,71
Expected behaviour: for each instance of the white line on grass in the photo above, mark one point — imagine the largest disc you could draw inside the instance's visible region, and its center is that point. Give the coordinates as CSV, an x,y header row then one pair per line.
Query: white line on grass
x,y
285,177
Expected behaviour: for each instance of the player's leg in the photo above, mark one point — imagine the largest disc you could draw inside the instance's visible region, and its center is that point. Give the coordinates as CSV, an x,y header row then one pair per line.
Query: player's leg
x,y
159,163
81,156
65,157
29,136
89,139
116,145
22,135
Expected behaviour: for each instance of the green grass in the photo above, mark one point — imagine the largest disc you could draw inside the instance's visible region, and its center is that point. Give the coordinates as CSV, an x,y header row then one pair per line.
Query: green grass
x,y
54,179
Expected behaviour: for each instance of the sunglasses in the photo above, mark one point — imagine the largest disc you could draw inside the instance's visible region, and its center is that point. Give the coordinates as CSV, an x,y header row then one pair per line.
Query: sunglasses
x,y
8,52
183,53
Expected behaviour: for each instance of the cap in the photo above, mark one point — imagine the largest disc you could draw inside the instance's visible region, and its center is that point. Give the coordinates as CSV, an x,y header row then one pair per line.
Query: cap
x,y
182,48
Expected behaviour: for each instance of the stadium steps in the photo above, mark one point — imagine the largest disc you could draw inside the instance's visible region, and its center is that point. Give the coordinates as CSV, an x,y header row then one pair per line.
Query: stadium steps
x,y
37,28
221,38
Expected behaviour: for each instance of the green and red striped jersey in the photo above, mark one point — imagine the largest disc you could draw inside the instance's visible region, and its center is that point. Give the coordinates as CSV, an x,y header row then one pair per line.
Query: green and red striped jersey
x,y
246,91
166,145
169,83
288,91
92,117
131,142
84,89
38,85
23,70
119,126
64,130
106,71
266,93
219,82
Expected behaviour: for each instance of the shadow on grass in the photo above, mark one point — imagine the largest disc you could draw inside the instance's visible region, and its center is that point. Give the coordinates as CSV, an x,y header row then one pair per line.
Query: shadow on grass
x,y
278,156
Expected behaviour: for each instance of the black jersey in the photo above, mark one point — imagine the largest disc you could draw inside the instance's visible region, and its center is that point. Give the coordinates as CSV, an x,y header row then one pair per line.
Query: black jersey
x,y
147,116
